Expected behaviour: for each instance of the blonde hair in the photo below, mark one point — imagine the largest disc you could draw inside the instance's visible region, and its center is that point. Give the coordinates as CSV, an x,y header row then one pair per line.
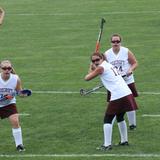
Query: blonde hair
x,y
8,62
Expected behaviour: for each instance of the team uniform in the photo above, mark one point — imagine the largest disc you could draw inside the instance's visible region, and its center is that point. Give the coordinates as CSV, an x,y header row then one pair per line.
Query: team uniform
x,y
122,99
120,61
8,107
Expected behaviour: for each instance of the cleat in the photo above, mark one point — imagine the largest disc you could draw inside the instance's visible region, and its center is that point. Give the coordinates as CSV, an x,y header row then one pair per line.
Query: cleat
x,y
104,148
123,144
20,148
132,127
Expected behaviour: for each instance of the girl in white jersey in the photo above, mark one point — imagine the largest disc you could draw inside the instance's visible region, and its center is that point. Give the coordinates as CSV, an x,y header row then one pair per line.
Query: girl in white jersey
x,y
9,84
124,60
121,100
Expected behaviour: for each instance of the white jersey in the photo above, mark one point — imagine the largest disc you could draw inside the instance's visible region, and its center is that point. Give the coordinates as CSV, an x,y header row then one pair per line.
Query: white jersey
x,y
113,82
120,61
8,87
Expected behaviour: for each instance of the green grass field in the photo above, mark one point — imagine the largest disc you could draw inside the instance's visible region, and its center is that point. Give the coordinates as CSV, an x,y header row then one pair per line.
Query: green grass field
x,y
49,43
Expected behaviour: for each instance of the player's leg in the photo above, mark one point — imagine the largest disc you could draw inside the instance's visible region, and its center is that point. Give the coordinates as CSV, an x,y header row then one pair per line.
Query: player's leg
x,y
107,129
131,115
122,129
16,131
114,119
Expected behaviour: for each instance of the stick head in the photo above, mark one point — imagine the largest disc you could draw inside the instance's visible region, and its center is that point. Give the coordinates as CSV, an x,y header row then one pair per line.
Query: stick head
x,y
82,92
102,22
26,92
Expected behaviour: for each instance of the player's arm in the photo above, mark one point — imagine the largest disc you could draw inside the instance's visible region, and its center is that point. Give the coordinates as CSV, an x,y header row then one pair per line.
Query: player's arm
x,y
19,87
99,70
92,67
132,60
2,13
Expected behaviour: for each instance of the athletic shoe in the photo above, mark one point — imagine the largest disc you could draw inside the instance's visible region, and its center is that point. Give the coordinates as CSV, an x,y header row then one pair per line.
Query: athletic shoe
x,y
104,148
123,144
132,127
20,148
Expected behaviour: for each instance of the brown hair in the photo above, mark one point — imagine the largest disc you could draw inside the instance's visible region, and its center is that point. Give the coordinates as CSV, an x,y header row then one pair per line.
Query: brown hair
x,y
101,56
116,35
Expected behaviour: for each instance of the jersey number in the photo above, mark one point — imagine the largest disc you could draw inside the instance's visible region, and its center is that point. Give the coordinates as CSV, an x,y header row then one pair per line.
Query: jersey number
x,y
119,68
115,71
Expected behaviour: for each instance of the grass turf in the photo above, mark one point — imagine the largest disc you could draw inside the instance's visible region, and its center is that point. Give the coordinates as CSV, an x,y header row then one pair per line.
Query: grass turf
x,y
49,43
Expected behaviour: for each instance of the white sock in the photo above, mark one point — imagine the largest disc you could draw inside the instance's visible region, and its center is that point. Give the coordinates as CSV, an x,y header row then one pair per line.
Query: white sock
x,y
131,117
107,128
17,134
123,131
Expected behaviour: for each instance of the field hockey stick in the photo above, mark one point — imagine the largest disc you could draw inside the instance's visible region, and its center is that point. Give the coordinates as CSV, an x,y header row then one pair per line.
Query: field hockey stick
x,y
25,92
125,75
99,35
84,92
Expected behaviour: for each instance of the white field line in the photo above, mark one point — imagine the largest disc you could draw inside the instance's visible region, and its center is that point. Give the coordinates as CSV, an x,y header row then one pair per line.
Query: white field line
x,y
78,155
149,93
151,115
76,92
143,115
24,114
81,14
